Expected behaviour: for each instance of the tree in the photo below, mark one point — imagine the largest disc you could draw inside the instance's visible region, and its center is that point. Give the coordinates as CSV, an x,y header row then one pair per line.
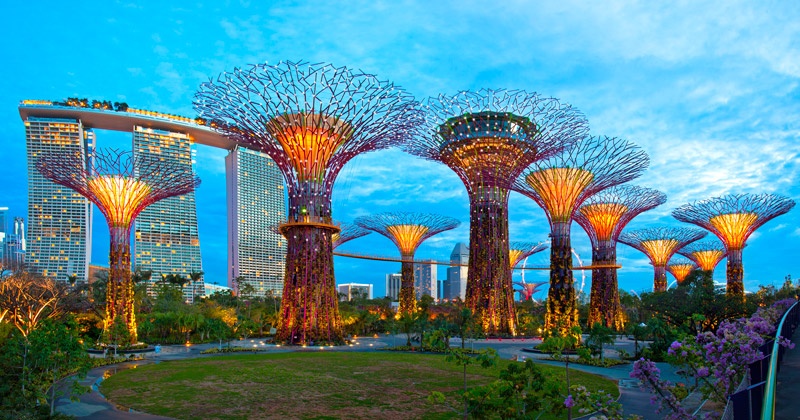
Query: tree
x,y
557,344
27,299
599,335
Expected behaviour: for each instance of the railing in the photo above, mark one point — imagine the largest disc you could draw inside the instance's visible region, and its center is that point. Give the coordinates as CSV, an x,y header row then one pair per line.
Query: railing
x,y
786,328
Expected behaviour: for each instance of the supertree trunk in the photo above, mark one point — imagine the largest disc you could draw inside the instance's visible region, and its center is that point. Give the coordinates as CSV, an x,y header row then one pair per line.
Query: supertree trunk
x,y
605,306
562,309
735,273
119,289
490,294
408,299
660,279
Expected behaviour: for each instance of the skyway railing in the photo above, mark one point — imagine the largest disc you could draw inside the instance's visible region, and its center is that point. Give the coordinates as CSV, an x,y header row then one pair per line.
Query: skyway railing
x,y
786,328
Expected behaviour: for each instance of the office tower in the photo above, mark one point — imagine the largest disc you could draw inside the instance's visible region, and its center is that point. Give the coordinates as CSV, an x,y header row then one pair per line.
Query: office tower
x,y
349,290
15,244
4,233
457,274
256,202
166,240
393,283
425,281
59,219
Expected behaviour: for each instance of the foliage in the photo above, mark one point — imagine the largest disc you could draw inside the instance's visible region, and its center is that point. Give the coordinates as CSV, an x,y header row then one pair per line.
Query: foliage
x,y
600,402
26,299
599,335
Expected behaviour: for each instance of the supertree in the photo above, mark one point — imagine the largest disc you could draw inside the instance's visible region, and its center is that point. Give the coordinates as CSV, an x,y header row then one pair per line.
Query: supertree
x,y
349,231
528,289
680,268
488,138
560,185
518,251
603,216
660,244
121,185
407,231
706,254
310,119
733,218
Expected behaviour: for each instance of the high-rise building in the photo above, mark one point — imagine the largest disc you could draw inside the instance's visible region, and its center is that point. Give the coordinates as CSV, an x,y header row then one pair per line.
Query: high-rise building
x,y
256,202
14,245
393,283
4,233
425,280
59,219
166,240
457,274
350,289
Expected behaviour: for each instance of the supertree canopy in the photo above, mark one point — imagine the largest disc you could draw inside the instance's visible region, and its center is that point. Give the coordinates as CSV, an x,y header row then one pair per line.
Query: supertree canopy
x,y
349,231
122,185
310,119
488,138
660,244
560,185
407,231
528,289
603,216
680,268
706,254
733,218
518,251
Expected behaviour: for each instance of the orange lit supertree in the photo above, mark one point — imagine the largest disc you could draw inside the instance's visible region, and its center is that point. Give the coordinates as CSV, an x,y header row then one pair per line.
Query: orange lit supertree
x,y
680,268
733,218
488,138
706,254
517,252
349,231
560,185
603,216
311,119
660,244
121,185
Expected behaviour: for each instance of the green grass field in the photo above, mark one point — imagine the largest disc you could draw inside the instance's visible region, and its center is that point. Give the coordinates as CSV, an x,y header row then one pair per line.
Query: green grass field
x,y
375,385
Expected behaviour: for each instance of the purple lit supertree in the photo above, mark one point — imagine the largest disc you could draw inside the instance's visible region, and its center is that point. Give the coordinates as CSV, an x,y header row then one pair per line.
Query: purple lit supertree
x,y
706,254
488,138
560,185
603,216
528,289
349,231
660,244
310,119
733,218
121,185
680,268
407,231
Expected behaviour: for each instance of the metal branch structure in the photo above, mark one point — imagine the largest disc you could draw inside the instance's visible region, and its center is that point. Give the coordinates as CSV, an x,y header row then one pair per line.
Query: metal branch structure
x,y
529,289
560,185
706,254
488,138
660,244
311,119
518,251
680,268
349,231
603,216
121,185
407,231
733,218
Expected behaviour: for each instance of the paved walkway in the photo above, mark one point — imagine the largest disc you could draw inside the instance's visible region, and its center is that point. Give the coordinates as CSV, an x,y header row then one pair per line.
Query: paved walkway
x,y
787,403
93,406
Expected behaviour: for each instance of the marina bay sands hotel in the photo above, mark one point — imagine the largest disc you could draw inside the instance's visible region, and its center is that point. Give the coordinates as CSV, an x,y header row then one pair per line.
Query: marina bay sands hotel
x,y
166,239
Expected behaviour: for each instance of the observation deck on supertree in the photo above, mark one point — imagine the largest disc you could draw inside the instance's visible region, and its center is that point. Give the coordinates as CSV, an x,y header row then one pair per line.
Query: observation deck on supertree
x,y
733,218
603,216
348,232
121,185
311,119
488,138
706,254
680,268
407,231
660,244
560,185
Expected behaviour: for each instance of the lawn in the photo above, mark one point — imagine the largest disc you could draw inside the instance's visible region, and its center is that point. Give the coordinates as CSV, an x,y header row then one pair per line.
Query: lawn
x,y
374,385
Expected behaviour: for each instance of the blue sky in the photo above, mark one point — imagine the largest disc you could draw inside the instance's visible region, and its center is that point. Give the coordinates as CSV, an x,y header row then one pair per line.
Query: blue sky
x,y
711,90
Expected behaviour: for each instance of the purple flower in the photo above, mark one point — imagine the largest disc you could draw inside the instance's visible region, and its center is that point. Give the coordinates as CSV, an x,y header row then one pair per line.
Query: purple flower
x,y
569,402
702,372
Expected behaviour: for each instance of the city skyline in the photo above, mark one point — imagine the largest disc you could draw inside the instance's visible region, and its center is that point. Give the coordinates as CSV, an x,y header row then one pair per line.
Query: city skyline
x,y
710,93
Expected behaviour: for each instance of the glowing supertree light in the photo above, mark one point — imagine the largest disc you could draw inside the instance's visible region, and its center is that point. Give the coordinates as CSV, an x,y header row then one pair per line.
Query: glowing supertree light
x,y
706,254
680,268
660,244
518,251
349,232
310,119
122,185
733,218
560,185
603,216
407,231
488,138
